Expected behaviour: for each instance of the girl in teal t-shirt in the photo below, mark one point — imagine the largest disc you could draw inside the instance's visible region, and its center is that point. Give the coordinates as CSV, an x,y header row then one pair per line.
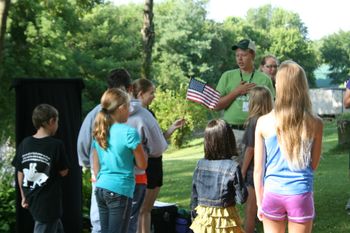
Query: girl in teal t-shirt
x,y
117,149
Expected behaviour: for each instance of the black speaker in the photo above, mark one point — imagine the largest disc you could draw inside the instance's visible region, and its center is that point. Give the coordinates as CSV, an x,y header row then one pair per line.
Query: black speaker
x,y
163,219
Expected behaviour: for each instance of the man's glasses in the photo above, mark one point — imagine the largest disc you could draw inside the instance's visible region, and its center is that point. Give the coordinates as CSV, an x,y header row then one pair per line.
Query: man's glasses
x,y
271,66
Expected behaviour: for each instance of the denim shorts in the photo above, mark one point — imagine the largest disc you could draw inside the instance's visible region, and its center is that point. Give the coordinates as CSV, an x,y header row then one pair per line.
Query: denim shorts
x,y
296,208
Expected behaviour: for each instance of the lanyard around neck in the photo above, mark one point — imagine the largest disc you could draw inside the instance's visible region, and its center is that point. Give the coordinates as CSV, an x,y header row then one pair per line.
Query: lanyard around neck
x,y
251,76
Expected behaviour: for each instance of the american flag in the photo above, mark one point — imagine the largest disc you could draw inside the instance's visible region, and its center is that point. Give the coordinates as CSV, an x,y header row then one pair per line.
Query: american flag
x,y
202,93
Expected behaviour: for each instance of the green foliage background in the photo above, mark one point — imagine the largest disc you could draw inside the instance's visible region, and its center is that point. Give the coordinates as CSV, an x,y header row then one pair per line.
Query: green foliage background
x,y
87,39
7,193
172,105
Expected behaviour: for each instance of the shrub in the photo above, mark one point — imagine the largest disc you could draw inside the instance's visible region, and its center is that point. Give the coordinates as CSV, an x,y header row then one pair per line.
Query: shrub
x,y
86,179
7,187
170,105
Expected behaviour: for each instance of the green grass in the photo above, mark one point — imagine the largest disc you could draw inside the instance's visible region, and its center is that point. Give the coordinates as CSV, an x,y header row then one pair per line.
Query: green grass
x,y
331,184
178,170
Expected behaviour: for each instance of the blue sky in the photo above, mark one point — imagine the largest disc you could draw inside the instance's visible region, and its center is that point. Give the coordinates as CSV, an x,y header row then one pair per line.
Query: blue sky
x,y
320,17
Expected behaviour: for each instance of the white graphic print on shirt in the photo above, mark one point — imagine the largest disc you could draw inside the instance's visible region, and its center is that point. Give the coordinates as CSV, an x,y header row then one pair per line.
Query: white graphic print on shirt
x,y
38,178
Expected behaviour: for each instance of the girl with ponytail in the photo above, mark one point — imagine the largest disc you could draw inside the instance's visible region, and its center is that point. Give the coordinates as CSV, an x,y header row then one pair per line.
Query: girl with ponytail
x,y
117,149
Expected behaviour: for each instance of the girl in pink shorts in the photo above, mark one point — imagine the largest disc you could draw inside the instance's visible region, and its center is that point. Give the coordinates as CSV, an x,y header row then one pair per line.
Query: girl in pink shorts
x,y
287,151
294,208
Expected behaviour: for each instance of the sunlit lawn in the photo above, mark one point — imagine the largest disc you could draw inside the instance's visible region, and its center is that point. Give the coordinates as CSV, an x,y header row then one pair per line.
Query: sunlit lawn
x,y
331,188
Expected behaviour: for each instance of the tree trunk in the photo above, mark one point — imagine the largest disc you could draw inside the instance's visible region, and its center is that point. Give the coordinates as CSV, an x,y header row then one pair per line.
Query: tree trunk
x,y
148,39
343,127
4,9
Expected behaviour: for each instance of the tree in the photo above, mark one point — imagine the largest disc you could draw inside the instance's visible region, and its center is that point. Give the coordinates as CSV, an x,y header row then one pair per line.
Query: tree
x,y
38,39
37,44
4,9
110,38
283,34
147,39
182,40
335,51
288,44
267,17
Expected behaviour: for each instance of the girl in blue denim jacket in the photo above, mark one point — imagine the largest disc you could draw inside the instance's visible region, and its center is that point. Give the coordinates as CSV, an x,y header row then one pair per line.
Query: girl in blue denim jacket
x,y
217,183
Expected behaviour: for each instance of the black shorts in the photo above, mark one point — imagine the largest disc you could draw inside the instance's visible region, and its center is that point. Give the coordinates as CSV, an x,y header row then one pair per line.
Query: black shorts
x,y
154,173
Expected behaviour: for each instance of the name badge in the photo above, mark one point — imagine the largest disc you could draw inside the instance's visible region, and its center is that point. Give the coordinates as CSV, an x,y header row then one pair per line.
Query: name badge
x,y
245,106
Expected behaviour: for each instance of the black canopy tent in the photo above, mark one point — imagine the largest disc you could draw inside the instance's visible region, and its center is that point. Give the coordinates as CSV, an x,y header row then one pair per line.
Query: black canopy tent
x,y
65,95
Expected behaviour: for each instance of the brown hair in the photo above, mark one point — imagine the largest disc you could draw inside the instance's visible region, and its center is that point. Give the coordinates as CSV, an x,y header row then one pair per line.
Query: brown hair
x,y
140,85
119,78
263,60
111,100
260,102
219,141
42,114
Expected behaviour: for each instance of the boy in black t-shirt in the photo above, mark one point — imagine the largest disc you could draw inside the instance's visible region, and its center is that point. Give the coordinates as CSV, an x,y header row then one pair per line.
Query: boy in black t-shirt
x,y
41,161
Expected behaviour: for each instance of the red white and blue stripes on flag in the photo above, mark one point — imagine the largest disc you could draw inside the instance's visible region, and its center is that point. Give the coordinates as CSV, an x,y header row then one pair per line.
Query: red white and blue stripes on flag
x,y
202,93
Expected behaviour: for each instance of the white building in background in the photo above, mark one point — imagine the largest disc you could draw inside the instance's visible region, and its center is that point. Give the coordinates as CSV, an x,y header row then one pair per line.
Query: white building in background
x,y
328,101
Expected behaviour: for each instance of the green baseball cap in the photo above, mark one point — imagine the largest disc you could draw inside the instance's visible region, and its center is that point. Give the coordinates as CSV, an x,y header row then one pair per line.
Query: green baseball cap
x,y
245,44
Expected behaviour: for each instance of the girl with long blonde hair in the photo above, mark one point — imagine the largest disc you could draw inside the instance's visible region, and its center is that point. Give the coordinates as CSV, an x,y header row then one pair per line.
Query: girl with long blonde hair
x,y
287,151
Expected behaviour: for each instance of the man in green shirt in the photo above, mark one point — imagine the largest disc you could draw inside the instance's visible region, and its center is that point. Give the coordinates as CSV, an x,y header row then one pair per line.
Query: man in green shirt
x,y
234,86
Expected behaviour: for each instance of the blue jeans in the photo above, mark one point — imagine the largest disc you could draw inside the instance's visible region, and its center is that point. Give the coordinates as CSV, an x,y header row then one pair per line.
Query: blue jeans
x,y
48,227
139,195
114,211
94,214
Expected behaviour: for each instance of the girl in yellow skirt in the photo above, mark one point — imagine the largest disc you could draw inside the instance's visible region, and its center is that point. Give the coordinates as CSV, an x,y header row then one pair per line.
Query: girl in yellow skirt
x,y
217,183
